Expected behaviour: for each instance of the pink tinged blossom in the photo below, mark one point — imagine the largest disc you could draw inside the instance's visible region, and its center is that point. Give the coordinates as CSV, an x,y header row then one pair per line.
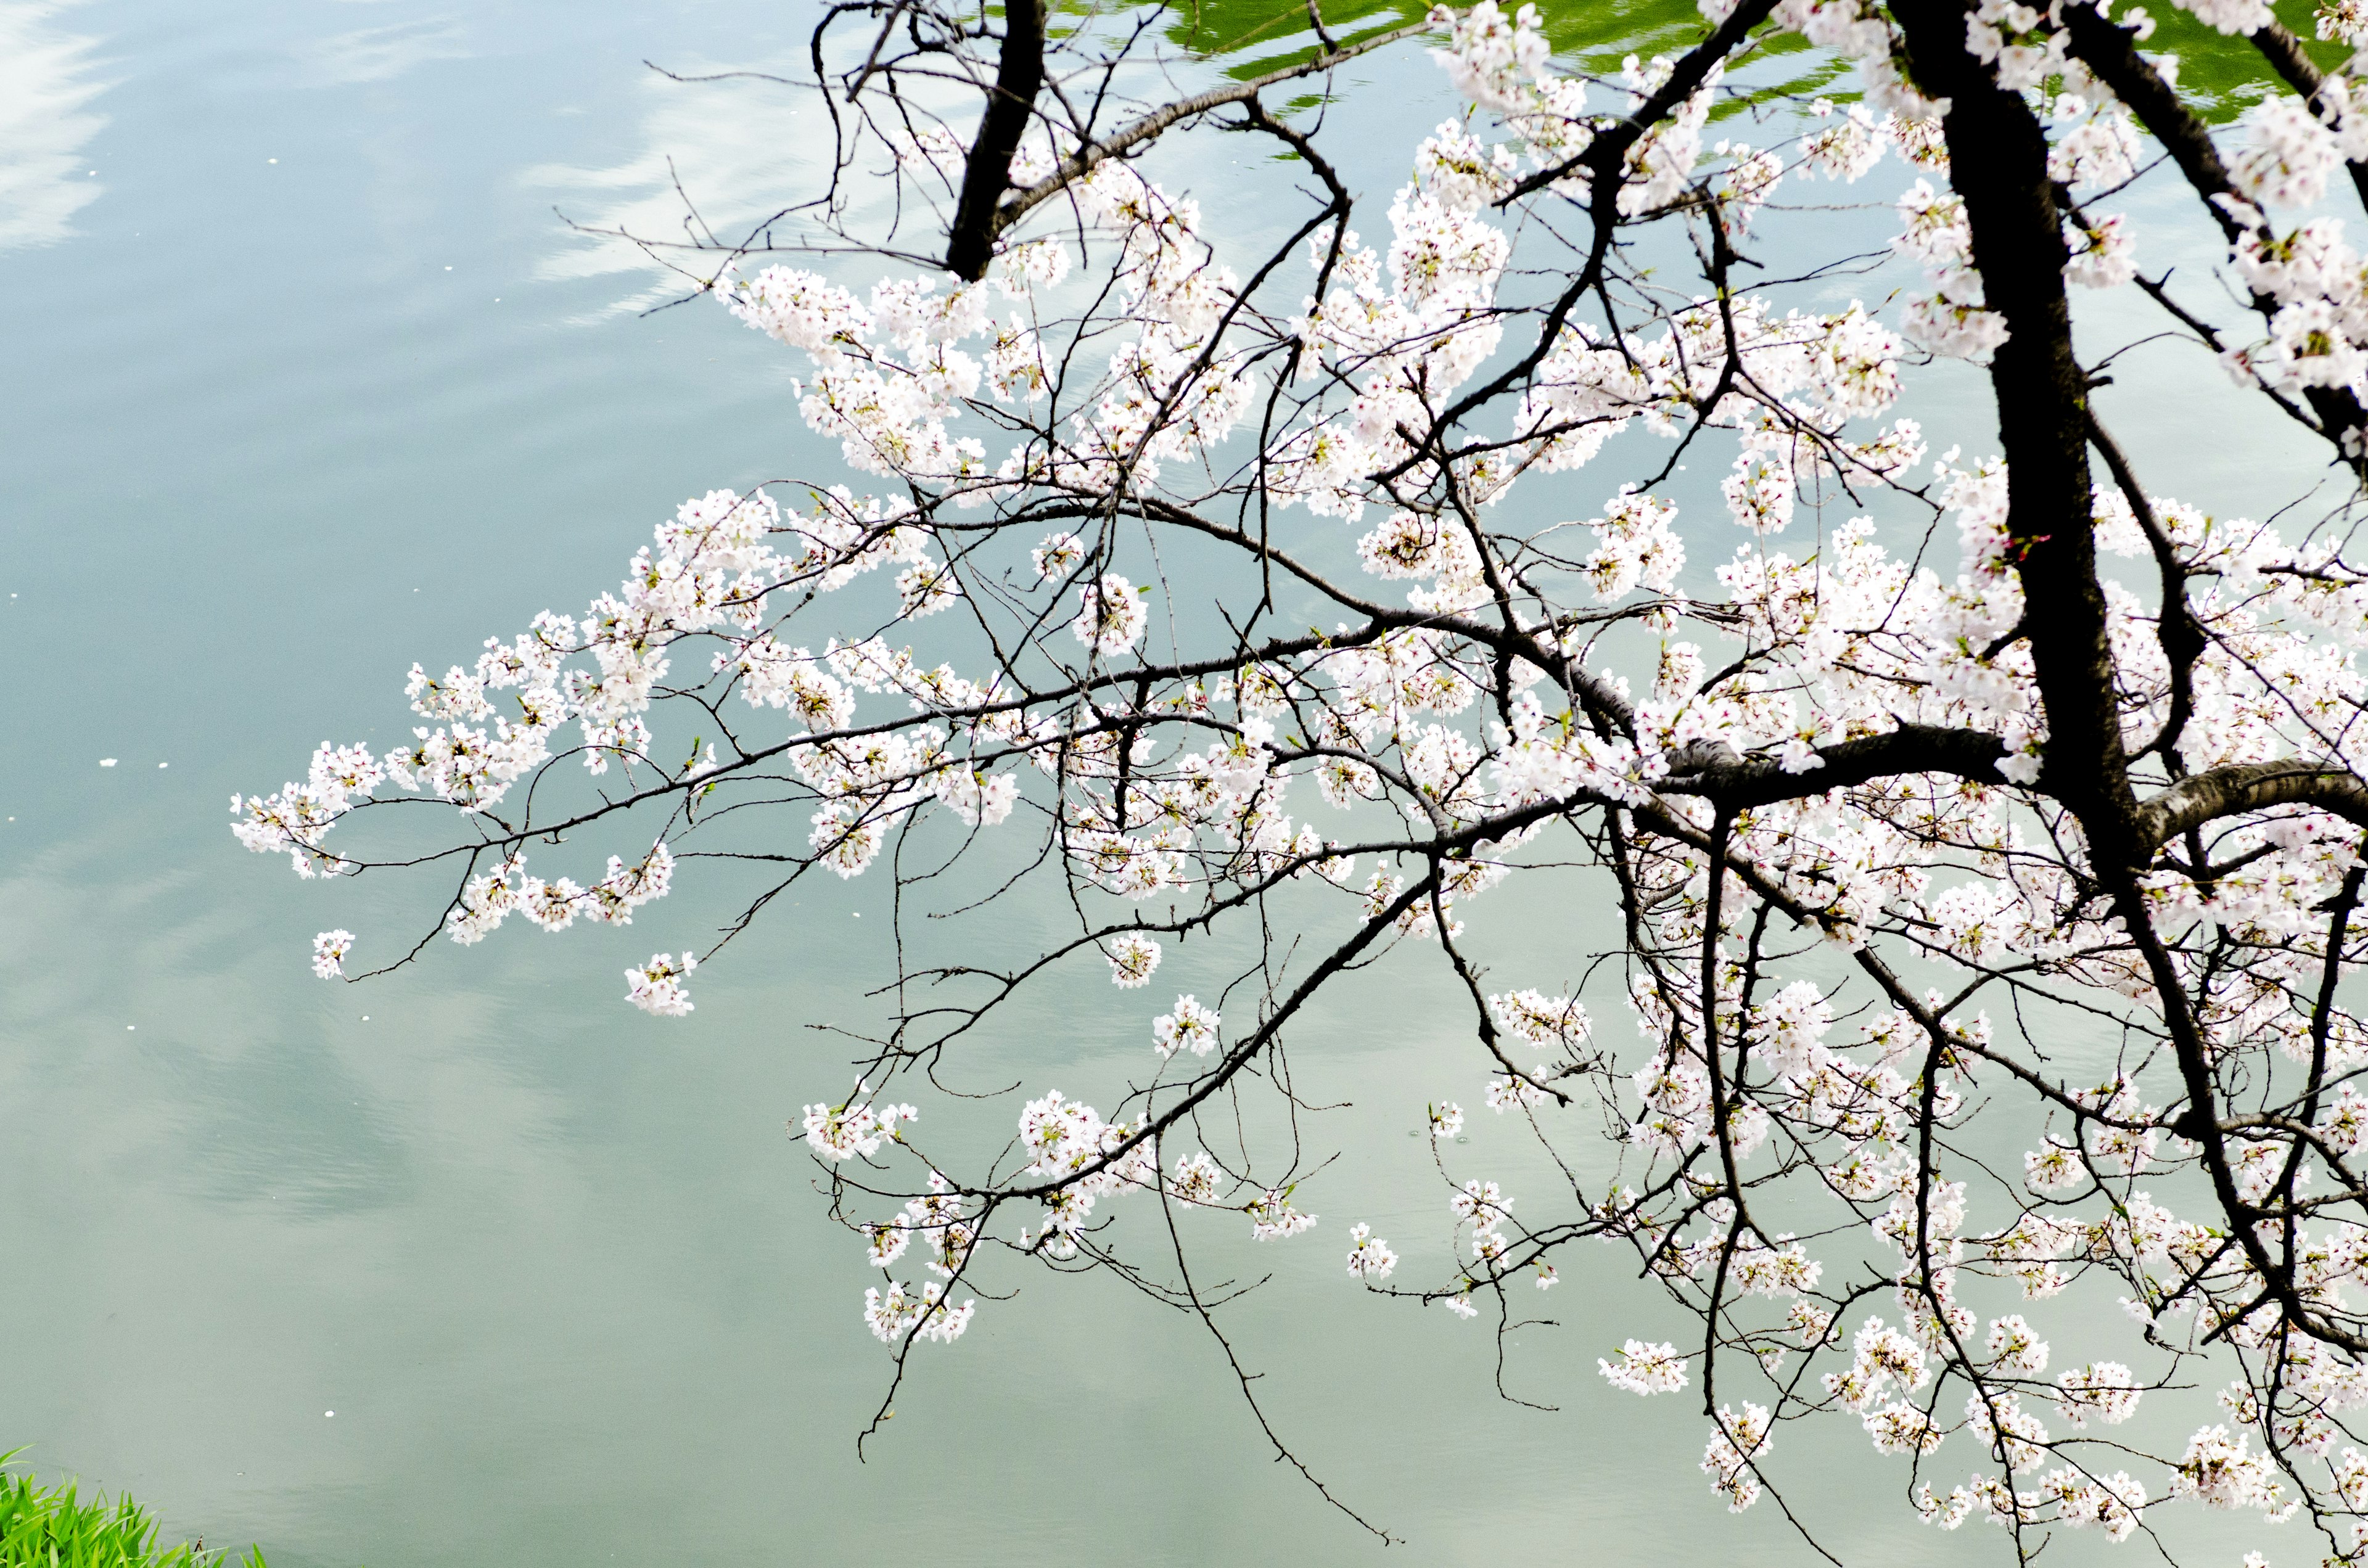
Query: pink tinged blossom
x,y
2287,153
2344,19
2102,258
1844,147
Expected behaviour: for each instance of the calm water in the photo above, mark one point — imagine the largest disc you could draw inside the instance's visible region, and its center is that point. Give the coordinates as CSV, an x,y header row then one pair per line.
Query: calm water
x,y
303,379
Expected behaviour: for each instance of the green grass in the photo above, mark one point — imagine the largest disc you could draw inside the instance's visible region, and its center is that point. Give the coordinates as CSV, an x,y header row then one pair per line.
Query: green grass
x,y
52,1527
2219,77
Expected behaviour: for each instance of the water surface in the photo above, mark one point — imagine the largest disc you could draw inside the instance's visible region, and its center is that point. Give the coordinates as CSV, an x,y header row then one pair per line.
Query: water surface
x,y
306,380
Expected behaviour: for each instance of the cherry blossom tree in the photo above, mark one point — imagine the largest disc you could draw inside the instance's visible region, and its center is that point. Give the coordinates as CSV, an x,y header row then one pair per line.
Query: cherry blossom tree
x,y
1985,828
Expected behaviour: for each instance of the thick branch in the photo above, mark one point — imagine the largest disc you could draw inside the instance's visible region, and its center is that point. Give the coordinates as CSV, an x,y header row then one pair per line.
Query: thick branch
x,y
1911,749
2178,632
1603,156
1018,77
1135,132
2110,51
1999,154
2251,786
2287,57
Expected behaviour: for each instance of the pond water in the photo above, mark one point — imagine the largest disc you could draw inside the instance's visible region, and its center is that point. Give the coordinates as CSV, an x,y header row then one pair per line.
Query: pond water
x,y
305,380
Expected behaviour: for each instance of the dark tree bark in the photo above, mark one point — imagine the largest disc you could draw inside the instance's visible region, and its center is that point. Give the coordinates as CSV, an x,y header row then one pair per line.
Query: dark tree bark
x,y
1997,155
1018,77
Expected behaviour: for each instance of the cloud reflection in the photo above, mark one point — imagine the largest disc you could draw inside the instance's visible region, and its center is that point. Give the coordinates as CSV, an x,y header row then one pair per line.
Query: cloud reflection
x,y
378,54
742,149
45,120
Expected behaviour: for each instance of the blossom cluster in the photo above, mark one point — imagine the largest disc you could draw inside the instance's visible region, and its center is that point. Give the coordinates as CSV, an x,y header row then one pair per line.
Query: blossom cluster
x,y
1695,704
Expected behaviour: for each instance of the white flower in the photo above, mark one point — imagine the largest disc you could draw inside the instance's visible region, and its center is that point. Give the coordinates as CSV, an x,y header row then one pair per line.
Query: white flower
x,y
1059,555
1132,958
842,1133
1189,1028
1198,1178
2288,155
885,1243
1844,149
657,987
1369,1257
1645,1369
1482,1205
329,951
2102,1389
1272,1216
1110,615
899,1313
1739,1439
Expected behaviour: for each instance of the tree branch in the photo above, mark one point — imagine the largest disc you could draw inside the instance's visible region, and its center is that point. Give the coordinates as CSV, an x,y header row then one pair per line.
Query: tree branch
x,y
1018,77
1135,132
2251,786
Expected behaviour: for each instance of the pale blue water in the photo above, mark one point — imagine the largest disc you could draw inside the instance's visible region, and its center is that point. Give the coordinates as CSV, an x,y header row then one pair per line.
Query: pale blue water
x,y
303,379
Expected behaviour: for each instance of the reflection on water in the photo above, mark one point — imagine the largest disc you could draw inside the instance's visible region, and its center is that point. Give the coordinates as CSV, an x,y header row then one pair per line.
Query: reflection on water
x,y
556,1265
381,54
720,156
47,83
